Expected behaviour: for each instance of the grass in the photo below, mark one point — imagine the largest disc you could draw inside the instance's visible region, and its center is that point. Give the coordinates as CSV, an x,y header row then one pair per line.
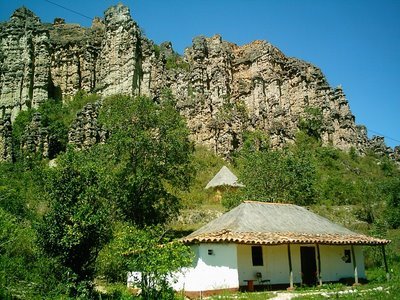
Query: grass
x,y
327,291
379,292
250,296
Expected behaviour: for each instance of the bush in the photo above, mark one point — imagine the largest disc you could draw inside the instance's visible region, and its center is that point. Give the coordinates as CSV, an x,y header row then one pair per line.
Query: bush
x,y
149,252
275,176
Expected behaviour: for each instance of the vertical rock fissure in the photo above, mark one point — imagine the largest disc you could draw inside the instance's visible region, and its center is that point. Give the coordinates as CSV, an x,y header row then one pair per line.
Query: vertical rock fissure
x,y
32,72
138,74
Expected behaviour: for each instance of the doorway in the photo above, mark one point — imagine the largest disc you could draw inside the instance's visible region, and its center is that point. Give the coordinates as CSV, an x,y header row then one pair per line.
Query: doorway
x,y
308,265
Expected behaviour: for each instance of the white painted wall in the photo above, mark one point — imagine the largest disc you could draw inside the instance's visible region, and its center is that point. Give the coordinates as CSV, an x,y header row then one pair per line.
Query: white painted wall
x,y
276,263
210,272
334,268
231,264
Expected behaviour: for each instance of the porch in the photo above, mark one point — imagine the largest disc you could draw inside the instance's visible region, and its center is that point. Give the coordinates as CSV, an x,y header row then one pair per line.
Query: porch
x,y
263,267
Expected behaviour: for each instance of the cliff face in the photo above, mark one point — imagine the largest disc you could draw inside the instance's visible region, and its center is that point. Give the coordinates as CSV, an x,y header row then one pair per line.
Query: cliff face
x,y
257,87
24,63
222,89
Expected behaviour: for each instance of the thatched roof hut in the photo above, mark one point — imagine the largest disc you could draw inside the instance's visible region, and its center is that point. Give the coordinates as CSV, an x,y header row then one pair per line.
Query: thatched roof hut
x,y
223,180
224,177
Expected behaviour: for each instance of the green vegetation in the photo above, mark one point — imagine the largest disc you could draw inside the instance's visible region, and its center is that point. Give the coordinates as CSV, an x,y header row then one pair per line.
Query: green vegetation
x,y
174,62
55,117
147,250
77,224
76,228
274,176
69,34
306,173
61,217
312,122
150,155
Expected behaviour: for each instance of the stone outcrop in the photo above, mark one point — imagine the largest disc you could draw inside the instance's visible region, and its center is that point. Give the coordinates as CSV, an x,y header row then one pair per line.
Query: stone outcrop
x,y
6,144
85,131
221,88
396,154
24,63
257,87
36,138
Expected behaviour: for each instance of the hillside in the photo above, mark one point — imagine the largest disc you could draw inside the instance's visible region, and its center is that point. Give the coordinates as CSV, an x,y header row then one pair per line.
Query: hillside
x,y
107,142
146,172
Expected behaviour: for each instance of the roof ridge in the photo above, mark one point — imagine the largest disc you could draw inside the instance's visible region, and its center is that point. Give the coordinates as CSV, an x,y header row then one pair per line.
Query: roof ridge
x,y
270,203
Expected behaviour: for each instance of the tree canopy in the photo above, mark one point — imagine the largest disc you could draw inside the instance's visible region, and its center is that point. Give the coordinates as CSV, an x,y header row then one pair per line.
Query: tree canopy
x,y
274,175
131,177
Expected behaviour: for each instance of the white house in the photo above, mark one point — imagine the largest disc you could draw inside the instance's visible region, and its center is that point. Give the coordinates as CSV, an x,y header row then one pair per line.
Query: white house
x,y
267,244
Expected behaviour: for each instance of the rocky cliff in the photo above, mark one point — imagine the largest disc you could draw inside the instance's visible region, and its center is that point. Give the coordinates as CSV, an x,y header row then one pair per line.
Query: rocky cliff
x,y
24,63
222,89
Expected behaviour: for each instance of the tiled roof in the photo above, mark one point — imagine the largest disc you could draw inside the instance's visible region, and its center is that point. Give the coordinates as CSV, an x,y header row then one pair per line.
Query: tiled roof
x,y
260,238
274,224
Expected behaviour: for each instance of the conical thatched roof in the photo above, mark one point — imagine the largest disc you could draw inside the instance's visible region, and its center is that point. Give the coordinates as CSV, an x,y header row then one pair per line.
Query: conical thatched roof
x,y
271,223
224,177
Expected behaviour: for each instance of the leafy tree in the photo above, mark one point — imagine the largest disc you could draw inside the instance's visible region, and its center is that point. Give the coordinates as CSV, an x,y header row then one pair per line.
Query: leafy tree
x,y
11,201
77,224
393,203
255,141
18,128
10,233
131,177
275,176
149,252
150,155
24,272
52,115
21,184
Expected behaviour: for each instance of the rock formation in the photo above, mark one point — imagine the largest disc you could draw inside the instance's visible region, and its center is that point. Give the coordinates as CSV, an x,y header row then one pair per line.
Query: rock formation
x,y
24,63
222,89
85,132
36,138
6,139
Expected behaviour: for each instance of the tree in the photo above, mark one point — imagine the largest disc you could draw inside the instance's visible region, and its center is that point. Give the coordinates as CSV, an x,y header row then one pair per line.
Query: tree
x,y
77,224
132,177
149,153
393,202
24,272
149,252
14,249
274,176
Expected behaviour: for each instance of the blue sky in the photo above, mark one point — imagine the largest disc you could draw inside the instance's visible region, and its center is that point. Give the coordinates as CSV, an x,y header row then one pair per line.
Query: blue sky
x,y
356,43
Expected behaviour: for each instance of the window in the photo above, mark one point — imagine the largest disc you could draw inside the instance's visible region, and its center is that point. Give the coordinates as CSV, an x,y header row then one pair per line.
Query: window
x,y
347,256
257,256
